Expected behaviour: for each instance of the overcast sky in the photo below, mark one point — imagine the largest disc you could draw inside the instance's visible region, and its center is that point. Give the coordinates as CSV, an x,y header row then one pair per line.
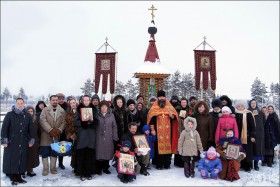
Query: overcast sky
x,y
49,47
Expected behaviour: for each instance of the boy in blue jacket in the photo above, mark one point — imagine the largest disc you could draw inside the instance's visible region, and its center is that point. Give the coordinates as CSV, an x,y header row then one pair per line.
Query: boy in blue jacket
x,y
151,137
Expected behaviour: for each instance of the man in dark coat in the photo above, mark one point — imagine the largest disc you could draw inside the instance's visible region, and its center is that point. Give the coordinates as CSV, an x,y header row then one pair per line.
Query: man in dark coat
x,y
175,102
132,115
17,134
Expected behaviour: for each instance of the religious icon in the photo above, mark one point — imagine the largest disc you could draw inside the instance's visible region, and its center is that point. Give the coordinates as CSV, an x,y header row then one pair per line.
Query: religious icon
x,y
232,151
105,64
86,114
126,164
152,81
183,113
205,62
151,90
140,141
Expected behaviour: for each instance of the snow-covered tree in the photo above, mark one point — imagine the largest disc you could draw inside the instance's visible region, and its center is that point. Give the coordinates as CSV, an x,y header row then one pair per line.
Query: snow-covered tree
x,y
187,85
275,93
120,88
258,90
176,83
88,87
6,94
167,86
21,94
131,91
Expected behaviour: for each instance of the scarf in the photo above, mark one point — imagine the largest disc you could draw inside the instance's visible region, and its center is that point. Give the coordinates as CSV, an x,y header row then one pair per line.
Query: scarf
x,y
16,110
244,125
133,112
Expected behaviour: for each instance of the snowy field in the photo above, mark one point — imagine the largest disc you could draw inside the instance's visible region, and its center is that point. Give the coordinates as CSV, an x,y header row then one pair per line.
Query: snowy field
x,y
172,177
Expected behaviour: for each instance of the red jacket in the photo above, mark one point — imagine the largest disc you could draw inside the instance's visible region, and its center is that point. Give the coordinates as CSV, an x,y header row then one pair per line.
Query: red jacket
x,y
226,122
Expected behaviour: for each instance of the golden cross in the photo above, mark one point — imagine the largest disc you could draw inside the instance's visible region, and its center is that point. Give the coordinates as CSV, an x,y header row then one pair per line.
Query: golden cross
x,y
152,9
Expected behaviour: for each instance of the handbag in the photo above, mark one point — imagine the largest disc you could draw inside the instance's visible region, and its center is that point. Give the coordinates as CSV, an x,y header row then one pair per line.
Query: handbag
x,y
63,148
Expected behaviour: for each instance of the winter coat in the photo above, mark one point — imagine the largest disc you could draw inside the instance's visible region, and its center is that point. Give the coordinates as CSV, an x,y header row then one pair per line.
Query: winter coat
x,y
17,131
271,130
188,144
106,134
205,126
209,165
251,133
216,117
132,117
119,114
86,130
260,122
47,122
225,123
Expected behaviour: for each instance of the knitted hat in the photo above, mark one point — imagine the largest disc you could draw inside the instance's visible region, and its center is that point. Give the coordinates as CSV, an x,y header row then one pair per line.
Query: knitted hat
x,y
174,97
216,103
126,143
161,93
129,102
241,102
95,96
225,108
211,150
192,97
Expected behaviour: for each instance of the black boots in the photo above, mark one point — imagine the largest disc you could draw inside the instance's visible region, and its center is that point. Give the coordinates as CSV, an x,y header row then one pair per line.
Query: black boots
x,y
256,167
192,166
60,162
143,170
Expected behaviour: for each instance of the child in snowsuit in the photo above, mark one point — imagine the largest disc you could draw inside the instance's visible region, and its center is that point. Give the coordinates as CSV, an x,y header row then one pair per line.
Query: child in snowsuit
x,y
209,163
188,146
125,149
151,137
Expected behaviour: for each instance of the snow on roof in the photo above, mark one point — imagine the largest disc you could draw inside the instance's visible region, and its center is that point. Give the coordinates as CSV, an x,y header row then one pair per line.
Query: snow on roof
x,y
153,68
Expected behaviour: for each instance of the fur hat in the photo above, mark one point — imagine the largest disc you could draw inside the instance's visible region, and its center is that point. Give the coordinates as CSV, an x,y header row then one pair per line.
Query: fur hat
x,y
153,98
129,102
174,97
240,102
161,93
226,108
216,103
60,96
126,143
95,96
138,96
104,102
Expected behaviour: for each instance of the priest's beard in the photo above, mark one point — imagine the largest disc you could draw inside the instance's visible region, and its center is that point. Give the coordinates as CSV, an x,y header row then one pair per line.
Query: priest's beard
x,y
161,103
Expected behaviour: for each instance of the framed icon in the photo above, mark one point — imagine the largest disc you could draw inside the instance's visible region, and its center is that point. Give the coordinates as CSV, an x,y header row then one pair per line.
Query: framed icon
x,y
152,81
232,151
140,141
126,164
86,114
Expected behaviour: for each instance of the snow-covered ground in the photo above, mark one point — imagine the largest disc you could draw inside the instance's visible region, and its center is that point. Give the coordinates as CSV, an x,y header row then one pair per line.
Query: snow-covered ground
x,y
172,177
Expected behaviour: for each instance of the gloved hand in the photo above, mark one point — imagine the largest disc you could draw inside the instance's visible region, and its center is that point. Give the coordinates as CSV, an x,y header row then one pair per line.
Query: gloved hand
x,y
84,124
224,156
58,132
53,133
90,121
180,152
239,158
216,171
203,172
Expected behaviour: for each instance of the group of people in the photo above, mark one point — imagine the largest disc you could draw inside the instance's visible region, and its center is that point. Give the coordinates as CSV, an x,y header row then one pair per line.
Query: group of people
x,y
220,141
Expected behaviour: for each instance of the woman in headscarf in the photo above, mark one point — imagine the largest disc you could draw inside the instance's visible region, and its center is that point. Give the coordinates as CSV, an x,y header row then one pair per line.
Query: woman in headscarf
x,y
247,132
260,121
